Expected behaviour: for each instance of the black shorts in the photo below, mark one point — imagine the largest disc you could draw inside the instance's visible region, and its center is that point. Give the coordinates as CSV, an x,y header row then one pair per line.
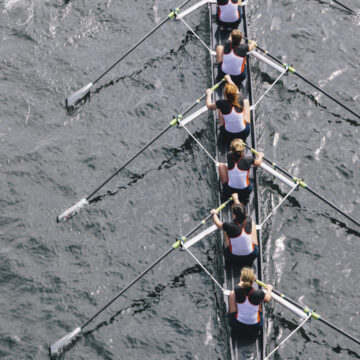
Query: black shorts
x,y
241,261
244,330
237,79
227,137
244,194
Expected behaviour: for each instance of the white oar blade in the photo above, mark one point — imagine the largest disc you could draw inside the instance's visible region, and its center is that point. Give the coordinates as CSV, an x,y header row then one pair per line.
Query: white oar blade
x,y
200,236
68,213
77,96
64,341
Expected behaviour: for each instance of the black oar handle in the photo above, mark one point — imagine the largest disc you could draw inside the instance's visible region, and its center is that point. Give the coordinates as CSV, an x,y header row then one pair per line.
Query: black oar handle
x,y
170,16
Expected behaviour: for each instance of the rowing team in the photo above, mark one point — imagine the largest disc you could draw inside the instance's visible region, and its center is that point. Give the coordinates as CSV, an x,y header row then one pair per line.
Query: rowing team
x,y
240,236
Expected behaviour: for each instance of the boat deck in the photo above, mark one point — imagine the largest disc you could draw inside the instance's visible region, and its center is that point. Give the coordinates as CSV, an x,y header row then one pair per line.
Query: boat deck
x,y
240,348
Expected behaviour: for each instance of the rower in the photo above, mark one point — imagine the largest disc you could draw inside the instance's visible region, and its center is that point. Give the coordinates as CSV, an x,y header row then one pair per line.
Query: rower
x,y
245,315
231,57
228,13
234,118
234,176
240,236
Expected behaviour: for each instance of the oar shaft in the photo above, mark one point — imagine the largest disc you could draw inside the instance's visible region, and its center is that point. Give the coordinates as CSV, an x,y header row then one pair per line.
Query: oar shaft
x,y
314,314
294,71
222,206
333,206
172,123
170,16
349,336
129,285
129,161
344,6
304,185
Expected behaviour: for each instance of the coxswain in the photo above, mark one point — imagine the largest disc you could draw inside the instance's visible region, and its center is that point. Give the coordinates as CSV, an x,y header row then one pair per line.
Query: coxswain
x,y
234,118
245,313
231,57
234,176
228,13
240,236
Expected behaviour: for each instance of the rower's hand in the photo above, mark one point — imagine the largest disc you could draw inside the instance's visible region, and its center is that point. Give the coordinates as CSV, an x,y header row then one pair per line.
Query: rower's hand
x,y
269,287
208,92
213,212
261,154
228,78
235,196
253,42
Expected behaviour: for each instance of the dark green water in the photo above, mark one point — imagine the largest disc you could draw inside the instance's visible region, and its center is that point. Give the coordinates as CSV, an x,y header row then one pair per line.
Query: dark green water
x,y
55,276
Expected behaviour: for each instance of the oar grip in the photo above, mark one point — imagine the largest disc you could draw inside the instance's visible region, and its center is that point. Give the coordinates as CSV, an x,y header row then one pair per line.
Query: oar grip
x,y
223,206
218,84
260,283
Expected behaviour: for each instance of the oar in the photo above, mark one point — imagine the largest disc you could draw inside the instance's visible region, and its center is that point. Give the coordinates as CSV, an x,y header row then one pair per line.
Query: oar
x,y
303,185
80,94
314,315
294,71
84,201
64,341
344,6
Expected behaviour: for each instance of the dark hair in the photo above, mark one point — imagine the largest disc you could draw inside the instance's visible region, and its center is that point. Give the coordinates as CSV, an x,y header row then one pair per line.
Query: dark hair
x,y
239,210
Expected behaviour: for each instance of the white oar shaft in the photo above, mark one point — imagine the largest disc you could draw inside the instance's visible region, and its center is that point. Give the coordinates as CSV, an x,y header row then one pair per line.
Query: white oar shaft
x,y
266,61
288,337
277,174
200,236
193,116
192,9
288,305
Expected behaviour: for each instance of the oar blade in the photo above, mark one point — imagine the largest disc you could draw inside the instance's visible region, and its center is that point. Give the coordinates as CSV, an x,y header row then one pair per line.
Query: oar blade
x,y
77,96
68,213
64,341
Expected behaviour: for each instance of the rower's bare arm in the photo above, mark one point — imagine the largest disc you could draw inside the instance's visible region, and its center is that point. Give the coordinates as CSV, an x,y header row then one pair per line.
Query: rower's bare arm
x,y
216,219
267,297
254,234
246,111
235,197
229,80
232,302
210,105
259,159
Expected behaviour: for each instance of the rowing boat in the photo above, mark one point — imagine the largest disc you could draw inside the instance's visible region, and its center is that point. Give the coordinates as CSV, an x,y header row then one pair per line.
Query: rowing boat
x,y
244,348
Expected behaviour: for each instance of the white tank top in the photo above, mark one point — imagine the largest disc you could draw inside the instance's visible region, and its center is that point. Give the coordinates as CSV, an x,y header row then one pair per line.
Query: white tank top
x,y
229,13
238,179
233,64
248,313
241,245
234,122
